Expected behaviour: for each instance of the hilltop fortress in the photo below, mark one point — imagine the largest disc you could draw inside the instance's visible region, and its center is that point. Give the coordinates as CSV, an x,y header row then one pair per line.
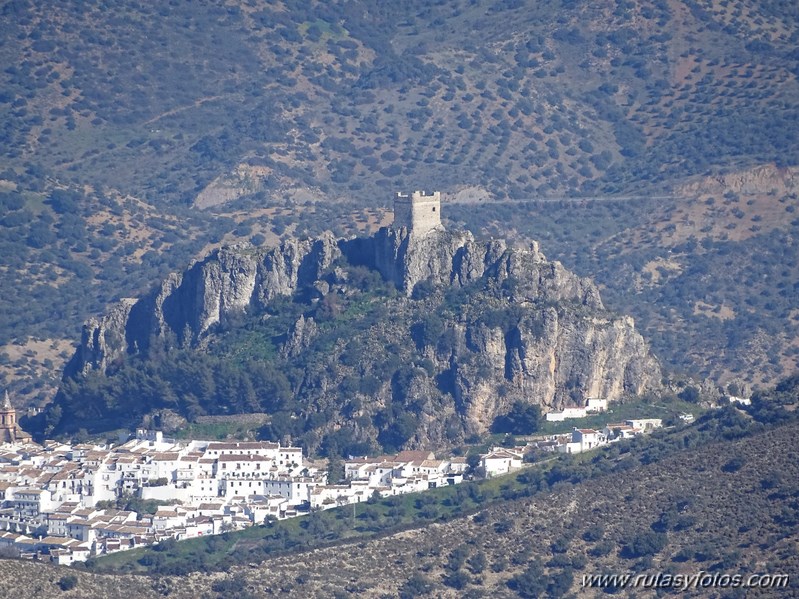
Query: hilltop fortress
x,y
418,212
529,326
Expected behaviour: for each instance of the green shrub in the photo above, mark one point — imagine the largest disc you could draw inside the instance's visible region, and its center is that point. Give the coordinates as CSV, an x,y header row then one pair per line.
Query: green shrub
x,y
68,582
645,544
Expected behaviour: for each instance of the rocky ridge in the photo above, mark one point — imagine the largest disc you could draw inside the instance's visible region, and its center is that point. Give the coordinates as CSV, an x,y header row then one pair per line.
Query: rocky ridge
x,y
523,328
187,305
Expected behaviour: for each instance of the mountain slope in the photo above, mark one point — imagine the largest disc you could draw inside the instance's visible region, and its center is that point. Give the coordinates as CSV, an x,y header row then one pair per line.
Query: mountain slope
x,y
710,278
358,92
712,517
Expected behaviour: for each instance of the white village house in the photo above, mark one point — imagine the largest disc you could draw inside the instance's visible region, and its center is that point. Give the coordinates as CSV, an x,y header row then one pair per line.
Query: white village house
x,y
500,461
593,405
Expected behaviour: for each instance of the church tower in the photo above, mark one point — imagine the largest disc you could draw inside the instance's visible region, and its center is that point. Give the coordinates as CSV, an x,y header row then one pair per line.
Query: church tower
x,y
8,420
9,429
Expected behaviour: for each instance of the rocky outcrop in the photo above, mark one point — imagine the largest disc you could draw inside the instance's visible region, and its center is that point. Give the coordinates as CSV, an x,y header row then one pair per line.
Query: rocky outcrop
x,y
559,357
762,179
440,256
521,328
102,339
455,258
556,346
185,307
300,337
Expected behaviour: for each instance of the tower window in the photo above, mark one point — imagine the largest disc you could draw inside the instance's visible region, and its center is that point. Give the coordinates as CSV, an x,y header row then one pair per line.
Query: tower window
x,y
434,208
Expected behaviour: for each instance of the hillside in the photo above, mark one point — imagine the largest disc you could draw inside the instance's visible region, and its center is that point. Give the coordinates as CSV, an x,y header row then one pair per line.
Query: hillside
x,y
543,546
128,151
343,97
719,496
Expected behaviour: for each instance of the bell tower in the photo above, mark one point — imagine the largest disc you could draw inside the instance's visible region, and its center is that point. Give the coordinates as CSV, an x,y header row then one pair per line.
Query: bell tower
x,y
8,421
10,432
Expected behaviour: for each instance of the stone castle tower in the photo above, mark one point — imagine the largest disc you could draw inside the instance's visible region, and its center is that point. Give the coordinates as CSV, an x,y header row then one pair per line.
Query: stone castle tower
x,y
9,429
418,212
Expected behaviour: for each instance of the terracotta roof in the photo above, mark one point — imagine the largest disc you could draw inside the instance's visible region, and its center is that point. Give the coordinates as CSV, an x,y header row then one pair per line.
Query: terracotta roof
x,y
243,458
79,522
389,465
28,492
241,445
56,541
166,513
414,455
501,454
432,464
166,456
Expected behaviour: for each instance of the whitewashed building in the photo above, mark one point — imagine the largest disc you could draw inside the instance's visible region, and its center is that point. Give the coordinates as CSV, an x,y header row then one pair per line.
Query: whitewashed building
x,y
500,461
595,404
566,413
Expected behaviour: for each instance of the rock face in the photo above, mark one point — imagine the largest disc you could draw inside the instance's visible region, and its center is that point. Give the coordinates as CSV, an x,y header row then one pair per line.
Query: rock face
x,y
185,307
492,325
102,340
455,258
440,256
761,179
558,357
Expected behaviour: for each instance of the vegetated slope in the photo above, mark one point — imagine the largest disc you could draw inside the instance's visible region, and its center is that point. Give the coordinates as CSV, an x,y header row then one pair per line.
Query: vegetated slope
x,y
358,95
390,341
719,496
278,103
69,256
727,508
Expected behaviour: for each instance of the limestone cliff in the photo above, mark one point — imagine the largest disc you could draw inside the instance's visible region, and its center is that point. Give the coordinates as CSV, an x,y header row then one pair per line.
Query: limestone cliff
x,y
455,258
475,327
559,357
184,307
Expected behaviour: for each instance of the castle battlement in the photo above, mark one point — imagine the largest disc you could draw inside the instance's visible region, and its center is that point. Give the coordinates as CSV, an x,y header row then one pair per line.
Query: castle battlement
x,y
419,212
